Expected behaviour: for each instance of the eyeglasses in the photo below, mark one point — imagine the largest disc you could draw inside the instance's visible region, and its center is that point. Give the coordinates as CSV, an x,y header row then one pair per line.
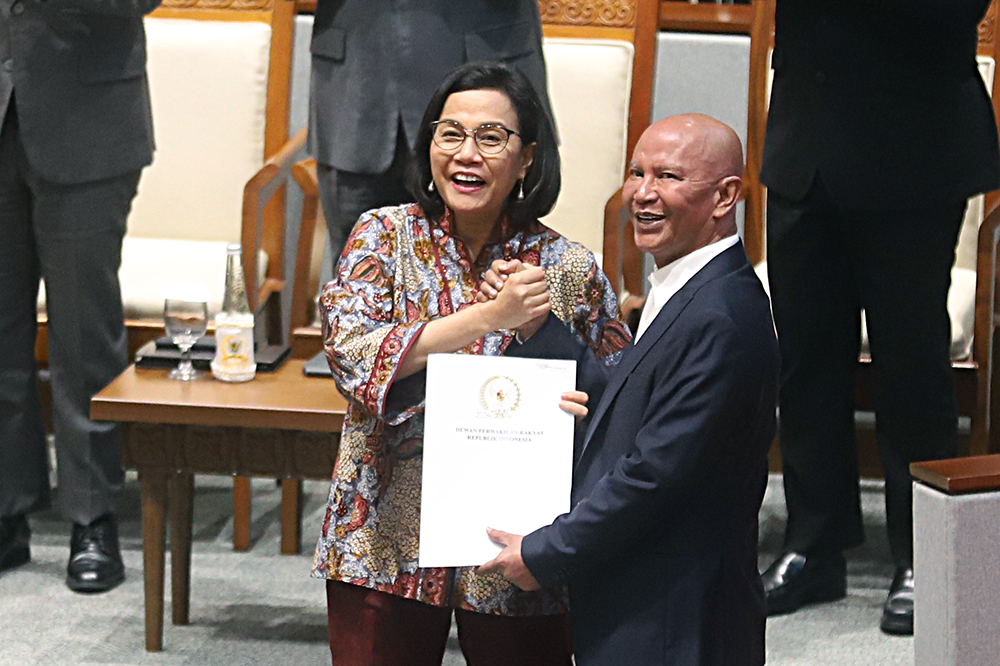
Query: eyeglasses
x,y
450,136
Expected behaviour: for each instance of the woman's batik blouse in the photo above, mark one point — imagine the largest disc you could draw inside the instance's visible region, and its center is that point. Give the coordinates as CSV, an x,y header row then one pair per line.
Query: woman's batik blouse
x,y
400,271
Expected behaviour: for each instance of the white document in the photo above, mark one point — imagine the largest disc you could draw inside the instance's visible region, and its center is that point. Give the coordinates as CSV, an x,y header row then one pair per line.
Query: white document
x,y
498,452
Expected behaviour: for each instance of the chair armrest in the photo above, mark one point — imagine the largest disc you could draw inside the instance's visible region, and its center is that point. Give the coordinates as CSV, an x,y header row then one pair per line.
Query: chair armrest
x,y
263,219
631,307
986,291
622,259
612,241
306,341
984,329
309,253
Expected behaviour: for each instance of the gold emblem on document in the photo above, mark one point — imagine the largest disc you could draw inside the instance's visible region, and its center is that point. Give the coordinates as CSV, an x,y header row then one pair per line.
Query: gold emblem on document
x,y
500,396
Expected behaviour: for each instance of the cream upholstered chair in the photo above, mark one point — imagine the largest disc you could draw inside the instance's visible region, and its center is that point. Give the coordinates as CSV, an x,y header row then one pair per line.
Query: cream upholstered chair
x,y
972,299
590,81
599,66
219,87
219,79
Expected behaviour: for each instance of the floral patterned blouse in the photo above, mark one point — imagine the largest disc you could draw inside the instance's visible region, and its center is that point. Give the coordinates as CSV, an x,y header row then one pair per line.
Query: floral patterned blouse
x,y
401,270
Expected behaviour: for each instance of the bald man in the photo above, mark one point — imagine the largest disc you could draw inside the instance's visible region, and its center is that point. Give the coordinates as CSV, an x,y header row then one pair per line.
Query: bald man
x,y
660,547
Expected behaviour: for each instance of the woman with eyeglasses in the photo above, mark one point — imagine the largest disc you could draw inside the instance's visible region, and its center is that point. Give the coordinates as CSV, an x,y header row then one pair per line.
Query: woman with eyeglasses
x,y
485,168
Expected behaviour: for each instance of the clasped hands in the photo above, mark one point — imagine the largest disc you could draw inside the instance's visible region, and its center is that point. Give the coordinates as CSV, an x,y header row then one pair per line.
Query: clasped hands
x,y
512,284
517,290
517,296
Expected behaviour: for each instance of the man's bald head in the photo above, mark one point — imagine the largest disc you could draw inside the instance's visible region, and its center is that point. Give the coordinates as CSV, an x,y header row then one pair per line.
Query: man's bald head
x,y
714,144
684,181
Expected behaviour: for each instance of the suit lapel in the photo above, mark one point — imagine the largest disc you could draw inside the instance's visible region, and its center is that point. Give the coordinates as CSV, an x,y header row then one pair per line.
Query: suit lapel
x,y
730,260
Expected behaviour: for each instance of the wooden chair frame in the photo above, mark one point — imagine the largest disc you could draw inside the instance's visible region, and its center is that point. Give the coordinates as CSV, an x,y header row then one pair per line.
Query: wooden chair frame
x,y
263,214
263,208
305,338
973,376
263,228
623,263
630,20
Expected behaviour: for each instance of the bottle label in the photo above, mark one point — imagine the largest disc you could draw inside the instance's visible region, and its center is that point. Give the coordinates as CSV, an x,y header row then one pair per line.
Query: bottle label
x,y
234,348
234,359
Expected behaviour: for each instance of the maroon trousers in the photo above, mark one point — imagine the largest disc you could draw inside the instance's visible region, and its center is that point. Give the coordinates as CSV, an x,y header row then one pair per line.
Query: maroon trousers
x,y
371,628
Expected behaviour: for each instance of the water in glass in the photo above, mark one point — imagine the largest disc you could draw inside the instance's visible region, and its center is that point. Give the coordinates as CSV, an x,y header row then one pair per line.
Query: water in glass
x,y
185,322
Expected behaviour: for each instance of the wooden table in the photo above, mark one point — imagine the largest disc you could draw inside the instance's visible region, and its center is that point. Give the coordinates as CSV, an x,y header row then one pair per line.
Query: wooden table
x,y
280,425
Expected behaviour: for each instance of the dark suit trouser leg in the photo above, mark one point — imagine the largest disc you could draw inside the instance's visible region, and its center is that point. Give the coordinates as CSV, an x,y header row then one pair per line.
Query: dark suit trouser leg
x,y
817,316
77,232
905,273
24,481
345,195
896,265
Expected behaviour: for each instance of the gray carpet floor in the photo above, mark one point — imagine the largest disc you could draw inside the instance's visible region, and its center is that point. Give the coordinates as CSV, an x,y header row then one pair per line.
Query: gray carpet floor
x,y
260,607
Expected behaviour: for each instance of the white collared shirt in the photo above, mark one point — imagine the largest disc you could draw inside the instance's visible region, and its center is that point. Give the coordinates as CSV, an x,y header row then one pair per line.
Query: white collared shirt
x,y
667,281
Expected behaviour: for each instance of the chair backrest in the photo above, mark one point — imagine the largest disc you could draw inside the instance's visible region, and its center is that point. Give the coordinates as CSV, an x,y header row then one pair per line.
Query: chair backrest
x,y
589,85
703,72
219,79
209,125
600,69
697,30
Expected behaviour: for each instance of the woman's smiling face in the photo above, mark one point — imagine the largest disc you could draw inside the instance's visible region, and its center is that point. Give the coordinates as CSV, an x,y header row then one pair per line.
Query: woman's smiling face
x,y
474,186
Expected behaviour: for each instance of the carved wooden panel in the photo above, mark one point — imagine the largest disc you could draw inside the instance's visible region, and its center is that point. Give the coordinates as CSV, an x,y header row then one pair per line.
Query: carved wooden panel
x,y
207,449
600,13
228,450
313,452
261,452
146,445
218,4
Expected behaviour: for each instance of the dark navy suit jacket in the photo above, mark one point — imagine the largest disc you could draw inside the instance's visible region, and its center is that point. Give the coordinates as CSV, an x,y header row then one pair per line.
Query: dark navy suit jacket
x,y
660,547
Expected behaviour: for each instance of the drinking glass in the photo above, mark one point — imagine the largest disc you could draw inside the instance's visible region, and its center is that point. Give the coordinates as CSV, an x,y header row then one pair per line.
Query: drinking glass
x,y
185,321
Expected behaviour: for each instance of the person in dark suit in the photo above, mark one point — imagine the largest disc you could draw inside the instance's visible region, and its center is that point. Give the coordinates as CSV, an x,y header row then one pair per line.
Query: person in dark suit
x,y
660,547
375,65
76,133
879,129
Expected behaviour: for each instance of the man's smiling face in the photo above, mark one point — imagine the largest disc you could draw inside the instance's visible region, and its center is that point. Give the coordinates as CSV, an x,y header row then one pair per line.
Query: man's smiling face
x,y
671,190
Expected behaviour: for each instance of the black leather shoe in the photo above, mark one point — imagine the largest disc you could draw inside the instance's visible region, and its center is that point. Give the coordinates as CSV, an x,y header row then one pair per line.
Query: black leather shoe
x,y
95,561
897,613
14,537
796,579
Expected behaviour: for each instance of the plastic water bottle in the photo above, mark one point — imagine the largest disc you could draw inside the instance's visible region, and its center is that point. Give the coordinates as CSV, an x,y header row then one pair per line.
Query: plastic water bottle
x,y
234,360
